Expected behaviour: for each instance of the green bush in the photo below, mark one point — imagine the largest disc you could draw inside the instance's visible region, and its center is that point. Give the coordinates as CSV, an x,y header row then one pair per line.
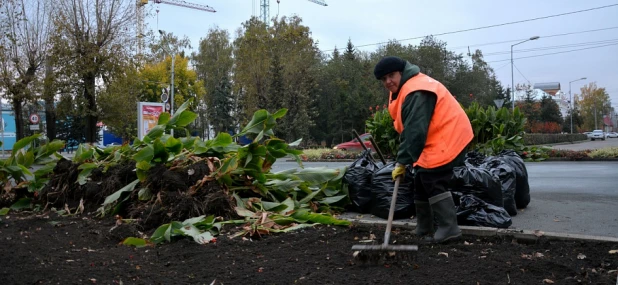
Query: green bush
x,y
380,126
496,130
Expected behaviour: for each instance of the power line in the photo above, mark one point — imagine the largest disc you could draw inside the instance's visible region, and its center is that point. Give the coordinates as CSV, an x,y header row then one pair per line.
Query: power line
x,y
544,37
521,73
545,54
493,26
554,47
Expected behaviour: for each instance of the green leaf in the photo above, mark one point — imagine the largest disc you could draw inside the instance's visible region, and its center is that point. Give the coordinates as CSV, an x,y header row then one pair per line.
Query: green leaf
x,y
143,165
28,159
155,132
197,235
317,175
86,168
23,203
163,118
116,195
144,194
183,119
24,142
309,197
173,145
303,215
137,242
160,234
280,113
332,200
4,211
296,143
145,154
244,212
46,169
273,207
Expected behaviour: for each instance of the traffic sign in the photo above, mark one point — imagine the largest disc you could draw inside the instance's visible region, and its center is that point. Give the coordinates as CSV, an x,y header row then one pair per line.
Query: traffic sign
x,y
34,118
168,106
164,97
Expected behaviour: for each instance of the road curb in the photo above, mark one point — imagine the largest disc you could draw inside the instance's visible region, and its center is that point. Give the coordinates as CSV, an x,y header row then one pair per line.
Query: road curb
x,y
520,235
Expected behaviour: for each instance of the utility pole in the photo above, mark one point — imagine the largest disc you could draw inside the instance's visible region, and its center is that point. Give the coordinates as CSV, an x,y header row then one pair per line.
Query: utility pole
x,y
171,83
571,104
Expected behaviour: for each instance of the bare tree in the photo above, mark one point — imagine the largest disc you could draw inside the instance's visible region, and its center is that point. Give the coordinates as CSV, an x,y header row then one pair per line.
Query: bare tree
x,y
23,49
97,35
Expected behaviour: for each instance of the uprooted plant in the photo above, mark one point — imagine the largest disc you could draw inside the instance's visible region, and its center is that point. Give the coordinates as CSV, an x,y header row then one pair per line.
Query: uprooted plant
x,y
161,180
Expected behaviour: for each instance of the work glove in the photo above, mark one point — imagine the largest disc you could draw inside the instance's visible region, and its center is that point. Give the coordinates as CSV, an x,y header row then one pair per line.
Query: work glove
x,y
399,170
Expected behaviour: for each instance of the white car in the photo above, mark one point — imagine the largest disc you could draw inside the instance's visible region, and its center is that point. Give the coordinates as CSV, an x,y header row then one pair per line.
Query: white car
x,y
612,135
597,134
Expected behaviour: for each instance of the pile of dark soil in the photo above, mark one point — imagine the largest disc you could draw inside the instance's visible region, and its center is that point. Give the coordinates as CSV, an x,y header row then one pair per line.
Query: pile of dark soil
x,y
45,250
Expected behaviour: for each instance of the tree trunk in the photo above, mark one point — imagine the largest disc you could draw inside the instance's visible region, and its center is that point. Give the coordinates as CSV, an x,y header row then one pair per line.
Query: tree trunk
x,y
50,119
91,116
19,119
50,107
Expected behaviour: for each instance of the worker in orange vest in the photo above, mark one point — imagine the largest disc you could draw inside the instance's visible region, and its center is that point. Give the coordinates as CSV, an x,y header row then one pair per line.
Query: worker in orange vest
x,y
434,134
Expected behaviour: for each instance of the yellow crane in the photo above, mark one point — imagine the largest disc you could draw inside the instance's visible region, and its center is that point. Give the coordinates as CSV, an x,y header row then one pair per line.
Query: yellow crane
x,y
140,15
265,9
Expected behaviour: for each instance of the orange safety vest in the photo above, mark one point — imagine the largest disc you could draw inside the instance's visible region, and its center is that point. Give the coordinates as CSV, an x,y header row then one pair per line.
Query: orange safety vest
x,y
449,131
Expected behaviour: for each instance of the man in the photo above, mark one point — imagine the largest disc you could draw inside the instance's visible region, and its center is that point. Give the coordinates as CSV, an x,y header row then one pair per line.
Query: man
x,y
434,133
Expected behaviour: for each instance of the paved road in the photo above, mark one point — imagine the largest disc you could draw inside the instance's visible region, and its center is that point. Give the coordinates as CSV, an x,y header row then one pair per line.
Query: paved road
x,y
583,145
567,197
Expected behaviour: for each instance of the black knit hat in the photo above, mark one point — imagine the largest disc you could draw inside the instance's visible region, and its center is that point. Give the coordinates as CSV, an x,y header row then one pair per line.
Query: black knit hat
x,y
387,65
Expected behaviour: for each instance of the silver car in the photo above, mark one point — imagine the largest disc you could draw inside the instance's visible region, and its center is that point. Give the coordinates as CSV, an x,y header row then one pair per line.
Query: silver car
x,y
597,134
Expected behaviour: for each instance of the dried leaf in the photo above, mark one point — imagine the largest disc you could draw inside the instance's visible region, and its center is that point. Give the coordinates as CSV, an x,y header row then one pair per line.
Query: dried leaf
x,y
355,254
548,281
538,255
556,220
539,233
372,236
443,253
613,251
581,256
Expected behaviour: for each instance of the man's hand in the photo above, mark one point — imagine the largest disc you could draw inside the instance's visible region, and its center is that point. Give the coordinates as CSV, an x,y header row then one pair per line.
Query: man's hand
x,y
399,170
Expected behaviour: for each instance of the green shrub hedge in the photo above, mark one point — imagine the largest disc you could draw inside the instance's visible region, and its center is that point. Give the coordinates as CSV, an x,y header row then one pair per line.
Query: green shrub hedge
x,y
541,139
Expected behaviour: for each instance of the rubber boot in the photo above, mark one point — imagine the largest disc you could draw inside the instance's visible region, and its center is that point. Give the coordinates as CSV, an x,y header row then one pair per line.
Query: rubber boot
x,y
424,220
444,210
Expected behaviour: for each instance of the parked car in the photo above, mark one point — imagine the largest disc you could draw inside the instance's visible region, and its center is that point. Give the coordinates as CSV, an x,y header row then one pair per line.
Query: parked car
x,y
597,134
354,145
588,134
612,135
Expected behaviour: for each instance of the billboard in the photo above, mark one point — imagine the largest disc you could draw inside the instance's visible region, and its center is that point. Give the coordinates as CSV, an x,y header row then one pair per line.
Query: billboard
x,y
147,117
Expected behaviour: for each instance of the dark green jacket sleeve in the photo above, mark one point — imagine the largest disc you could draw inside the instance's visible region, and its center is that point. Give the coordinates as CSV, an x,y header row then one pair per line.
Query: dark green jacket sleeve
x,y
416,113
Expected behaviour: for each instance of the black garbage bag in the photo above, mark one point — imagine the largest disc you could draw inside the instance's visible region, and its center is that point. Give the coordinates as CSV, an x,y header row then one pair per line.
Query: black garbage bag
x,y
474,158
358,178
473,211
479,182
506,174
382,192
522,188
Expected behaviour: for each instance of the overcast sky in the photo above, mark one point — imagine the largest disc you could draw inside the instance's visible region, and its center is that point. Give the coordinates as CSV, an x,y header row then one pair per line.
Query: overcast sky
x,y
374,21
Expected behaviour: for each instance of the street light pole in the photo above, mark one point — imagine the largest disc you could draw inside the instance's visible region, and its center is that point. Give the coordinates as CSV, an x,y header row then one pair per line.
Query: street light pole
x,y
571,101
162,33
512,78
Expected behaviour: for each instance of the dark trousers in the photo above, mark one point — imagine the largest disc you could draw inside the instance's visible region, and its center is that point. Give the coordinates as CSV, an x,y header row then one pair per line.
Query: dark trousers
x,y
429,184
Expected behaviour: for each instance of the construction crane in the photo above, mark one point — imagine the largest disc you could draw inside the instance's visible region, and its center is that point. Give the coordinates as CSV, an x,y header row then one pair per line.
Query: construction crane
x,y
140,16
265,9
